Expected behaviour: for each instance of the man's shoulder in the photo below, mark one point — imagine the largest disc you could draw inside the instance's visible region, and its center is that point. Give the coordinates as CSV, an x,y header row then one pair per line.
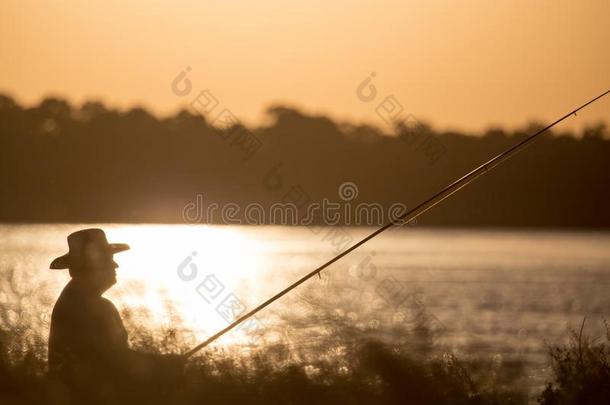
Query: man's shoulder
x,y
75,302
107,304
68,299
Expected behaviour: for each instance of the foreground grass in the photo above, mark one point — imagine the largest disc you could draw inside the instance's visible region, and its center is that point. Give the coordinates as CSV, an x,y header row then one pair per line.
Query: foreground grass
x,y
368,372
341,365
349,372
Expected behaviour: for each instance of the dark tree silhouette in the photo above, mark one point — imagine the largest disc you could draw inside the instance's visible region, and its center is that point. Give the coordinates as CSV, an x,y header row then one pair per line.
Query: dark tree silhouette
x,y
90,164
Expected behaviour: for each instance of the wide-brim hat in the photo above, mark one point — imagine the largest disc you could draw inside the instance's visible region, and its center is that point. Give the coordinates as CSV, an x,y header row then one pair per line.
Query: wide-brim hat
x,y
83,242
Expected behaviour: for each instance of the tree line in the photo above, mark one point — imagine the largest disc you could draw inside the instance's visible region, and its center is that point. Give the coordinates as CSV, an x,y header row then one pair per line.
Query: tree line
x,y
92,163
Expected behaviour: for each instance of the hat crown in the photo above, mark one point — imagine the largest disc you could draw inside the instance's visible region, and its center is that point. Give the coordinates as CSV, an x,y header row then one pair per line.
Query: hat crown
x,y
79,239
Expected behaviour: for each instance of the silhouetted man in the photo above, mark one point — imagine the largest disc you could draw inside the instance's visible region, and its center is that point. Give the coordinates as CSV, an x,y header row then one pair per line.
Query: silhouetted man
x,y
88,348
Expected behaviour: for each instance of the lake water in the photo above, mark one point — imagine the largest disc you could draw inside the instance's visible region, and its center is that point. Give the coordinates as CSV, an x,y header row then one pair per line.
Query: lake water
x,y
499,293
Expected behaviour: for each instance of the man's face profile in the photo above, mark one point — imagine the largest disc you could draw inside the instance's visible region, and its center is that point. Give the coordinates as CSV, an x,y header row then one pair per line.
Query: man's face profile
x,y
100,267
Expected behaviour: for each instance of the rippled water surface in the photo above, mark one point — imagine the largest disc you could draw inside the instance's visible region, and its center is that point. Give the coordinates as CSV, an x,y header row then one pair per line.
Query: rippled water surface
x,y
494,292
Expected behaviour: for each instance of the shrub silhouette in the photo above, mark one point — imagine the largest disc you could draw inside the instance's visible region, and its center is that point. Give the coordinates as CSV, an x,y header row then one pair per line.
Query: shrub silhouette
x,y
581,371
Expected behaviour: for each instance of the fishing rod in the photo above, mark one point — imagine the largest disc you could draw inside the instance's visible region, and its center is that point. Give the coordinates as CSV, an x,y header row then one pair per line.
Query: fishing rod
x,y
405,217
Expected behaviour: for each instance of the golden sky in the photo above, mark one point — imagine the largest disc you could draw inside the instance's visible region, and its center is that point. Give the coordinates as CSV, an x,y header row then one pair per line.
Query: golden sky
x,y
456,64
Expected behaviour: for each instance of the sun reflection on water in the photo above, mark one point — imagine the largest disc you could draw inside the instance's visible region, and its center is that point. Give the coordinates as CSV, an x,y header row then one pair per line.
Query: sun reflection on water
x,y
148,276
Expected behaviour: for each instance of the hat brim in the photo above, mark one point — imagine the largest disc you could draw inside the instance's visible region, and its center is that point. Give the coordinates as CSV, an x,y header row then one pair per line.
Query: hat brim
x,y
63,262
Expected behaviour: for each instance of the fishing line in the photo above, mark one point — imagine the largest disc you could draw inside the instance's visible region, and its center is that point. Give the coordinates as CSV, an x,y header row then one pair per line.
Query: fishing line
x,y
404,218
